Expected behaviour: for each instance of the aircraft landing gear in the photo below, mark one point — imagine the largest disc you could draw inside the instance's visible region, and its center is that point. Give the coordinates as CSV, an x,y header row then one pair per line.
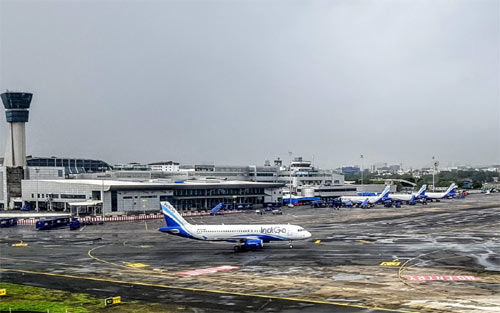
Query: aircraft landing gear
x,y
290,244
237,248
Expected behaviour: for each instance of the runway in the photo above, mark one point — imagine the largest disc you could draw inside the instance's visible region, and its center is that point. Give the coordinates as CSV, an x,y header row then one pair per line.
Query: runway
x,y
337,270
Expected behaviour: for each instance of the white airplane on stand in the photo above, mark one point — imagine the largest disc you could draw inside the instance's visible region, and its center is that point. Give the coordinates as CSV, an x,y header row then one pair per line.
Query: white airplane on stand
x,y
363,201
409,197
245,236
441,195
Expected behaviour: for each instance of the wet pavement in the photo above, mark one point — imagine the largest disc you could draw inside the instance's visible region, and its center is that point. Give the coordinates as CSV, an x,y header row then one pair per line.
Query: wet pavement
x,y
337,270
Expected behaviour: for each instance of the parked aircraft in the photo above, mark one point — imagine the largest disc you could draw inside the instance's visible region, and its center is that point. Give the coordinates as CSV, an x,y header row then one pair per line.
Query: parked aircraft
x,y
440,195
410,197
245,236
362,201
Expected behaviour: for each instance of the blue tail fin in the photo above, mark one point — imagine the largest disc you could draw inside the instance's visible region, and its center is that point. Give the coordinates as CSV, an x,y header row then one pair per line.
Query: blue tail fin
x,y
451,189
421,192
384,193
172,217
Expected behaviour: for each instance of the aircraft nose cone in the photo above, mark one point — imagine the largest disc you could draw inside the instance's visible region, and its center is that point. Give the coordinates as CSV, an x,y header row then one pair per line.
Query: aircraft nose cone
x,y
307,234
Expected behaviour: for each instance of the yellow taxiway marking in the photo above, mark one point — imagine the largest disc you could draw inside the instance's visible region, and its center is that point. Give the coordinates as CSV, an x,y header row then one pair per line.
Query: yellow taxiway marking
x,y
364,241
139,267
20,244
394,262
136,265
101,260
110,280
317,241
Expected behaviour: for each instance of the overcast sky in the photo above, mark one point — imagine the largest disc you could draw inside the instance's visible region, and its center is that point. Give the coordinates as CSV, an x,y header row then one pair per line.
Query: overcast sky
x,y
238,82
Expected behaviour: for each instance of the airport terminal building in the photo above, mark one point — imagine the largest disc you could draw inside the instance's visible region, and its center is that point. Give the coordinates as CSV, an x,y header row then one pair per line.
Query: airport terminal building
x,y
135,196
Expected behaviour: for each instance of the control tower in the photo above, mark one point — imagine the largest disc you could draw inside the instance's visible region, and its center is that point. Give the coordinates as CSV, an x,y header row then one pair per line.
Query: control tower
x,y
16,105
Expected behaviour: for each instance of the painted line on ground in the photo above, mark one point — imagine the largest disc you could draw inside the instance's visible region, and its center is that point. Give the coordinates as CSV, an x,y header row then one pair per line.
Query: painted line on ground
x,y
110,280
363,241
208,270
136,269
41,262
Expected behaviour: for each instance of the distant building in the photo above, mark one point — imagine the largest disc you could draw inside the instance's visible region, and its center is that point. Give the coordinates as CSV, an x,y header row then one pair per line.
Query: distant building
x,y
350,170
70,165
133,166
135,196
38,168
169,166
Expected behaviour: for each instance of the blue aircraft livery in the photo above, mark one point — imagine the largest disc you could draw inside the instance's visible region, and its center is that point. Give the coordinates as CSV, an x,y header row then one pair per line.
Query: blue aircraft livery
x,y
245,236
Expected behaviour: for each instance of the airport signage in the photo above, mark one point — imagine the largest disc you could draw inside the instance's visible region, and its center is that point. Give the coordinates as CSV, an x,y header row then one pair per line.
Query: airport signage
x,y
3,292
208,270
112,300
439,277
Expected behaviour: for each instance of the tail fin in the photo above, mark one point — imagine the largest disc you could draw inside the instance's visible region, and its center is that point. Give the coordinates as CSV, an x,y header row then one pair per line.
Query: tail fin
x,y
421,191
450,189
172,217
386,191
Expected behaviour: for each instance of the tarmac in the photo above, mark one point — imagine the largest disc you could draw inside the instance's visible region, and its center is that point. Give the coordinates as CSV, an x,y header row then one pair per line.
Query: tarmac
x,y
440,257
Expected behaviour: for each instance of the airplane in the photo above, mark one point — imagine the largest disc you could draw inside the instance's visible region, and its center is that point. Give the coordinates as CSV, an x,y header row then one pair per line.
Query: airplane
x,y
409,198
362,201
440,195
246,236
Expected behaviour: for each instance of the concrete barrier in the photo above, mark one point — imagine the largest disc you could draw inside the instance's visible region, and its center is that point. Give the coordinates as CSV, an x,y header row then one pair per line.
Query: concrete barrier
x,y
32,221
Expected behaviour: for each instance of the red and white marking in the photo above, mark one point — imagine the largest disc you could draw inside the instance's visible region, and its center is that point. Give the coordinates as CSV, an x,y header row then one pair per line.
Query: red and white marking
x,y
439,277
208,270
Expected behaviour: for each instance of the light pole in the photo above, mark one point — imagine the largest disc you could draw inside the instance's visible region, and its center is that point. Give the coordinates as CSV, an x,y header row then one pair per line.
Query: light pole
x,y
291,183
102,199
37,170
435,164
361,157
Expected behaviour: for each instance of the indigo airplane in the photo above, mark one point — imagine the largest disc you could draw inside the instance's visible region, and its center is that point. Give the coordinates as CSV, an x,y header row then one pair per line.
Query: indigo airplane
x,y
440,195
363,201
409,197
245,236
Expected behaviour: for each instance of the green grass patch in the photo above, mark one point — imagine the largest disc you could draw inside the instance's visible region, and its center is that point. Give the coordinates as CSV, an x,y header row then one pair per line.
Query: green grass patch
x,y
36,299
28,298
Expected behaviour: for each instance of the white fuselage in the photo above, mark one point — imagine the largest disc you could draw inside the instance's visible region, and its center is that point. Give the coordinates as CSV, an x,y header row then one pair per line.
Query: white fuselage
x,y
266,232
360,199
436,195
402,196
